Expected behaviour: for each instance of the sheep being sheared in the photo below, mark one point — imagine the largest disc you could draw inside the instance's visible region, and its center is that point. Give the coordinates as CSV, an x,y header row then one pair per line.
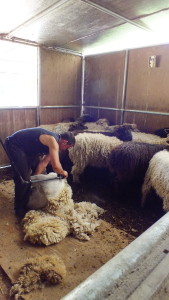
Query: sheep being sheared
x,y
157,177
36,273
91,150
61,216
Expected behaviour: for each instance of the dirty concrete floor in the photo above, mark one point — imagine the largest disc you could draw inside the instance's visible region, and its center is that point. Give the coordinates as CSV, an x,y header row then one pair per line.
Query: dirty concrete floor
x,y
122,223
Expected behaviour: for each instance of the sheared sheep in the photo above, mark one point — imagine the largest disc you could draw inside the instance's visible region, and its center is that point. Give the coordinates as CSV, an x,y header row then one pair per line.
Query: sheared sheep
x,y
61,216
157,177
129,161
149,138
91,150
36,273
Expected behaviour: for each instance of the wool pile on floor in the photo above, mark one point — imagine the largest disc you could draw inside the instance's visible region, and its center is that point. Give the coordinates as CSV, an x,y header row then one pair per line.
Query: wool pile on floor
x,y
81,258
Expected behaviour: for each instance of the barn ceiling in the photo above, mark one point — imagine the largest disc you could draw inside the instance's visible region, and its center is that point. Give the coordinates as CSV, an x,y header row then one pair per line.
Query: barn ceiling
x,y
84,26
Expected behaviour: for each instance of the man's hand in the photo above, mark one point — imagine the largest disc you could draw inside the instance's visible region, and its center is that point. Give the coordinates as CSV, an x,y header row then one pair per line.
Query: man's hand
x,y
65,174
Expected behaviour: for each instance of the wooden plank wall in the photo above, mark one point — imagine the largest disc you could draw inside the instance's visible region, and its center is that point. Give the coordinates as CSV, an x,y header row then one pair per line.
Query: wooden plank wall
x,y
12,120
59,84
146,89
103,84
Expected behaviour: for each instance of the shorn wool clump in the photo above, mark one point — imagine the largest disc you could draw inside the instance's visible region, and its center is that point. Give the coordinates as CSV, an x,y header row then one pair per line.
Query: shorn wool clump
x,y
36,273
91,150
61,216
157,177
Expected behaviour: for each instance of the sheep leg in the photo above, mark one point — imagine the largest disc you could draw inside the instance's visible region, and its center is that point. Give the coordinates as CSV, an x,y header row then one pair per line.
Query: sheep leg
x,y
146,187
76,171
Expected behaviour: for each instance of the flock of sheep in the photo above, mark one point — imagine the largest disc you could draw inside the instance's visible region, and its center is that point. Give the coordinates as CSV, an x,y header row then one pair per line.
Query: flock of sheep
x,y
133,157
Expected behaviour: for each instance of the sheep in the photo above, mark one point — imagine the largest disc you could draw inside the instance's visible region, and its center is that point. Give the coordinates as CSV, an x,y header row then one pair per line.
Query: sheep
x,y
157,178
162,132
91,149
61,216
129,161
99,125
80,125
36,273
122,132
149,138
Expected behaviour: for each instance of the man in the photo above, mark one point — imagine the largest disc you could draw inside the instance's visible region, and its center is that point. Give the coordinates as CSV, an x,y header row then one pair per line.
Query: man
x,y
24,148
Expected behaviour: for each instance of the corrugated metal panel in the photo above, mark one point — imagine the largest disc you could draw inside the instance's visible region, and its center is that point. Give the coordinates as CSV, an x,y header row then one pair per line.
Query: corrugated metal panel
x,y
15,13
133,9
77,24
71,21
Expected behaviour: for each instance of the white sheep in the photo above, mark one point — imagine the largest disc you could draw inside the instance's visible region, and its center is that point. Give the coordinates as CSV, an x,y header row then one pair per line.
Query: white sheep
x,y
91,149
157,177
61,216
142,137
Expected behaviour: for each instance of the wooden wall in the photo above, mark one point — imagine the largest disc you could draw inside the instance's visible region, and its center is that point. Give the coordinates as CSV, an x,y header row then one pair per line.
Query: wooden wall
x,y
119,86
12,120
103,84
141,93
148,88
59,85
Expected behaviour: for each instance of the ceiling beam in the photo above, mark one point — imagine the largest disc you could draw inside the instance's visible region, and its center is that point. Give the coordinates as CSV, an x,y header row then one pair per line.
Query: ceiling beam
x,y
115,15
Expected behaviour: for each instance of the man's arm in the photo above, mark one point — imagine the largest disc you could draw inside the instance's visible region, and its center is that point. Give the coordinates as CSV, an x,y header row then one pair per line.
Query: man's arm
x,y
53,156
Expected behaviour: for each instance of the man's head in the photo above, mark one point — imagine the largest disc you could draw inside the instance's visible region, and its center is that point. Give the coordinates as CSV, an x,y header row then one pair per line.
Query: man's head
x,y
66,141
